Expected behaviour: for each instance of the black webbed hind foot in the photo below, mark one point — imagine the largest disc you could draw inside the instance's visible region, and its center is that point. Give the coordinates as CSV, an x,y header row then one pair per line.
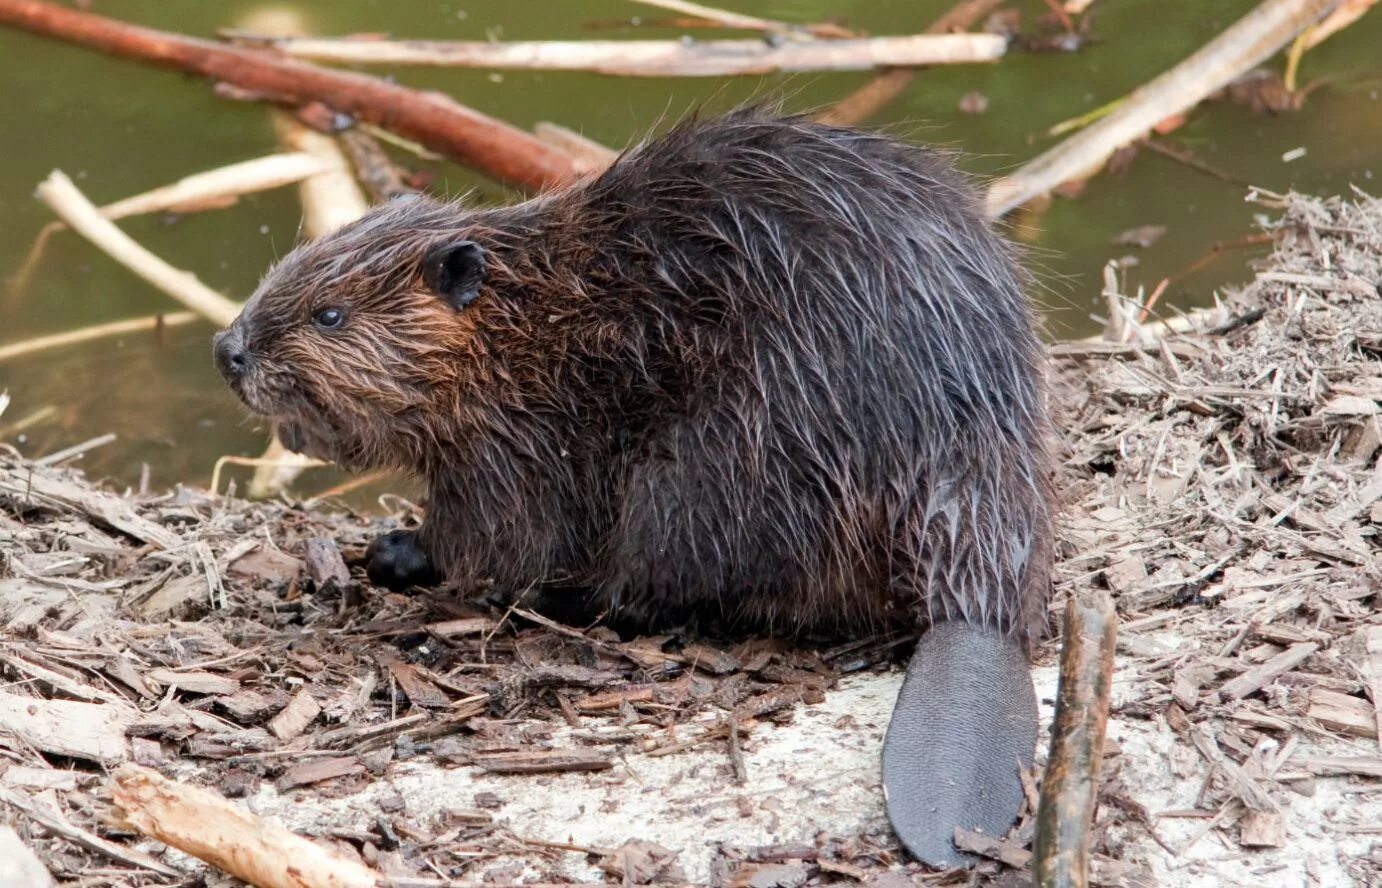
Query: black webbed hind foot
x,y
396,561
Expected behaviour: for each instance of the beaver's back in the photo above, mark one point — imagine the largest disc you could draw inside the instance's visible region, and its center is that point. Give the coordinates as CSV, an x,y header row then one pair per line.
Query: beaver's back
x,y
847,419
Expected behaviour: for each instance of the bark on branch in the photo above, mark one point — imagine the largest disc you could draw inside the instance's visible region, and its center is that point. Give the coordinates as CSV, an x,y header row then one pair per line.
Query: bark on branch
x,y
463,134
1071,784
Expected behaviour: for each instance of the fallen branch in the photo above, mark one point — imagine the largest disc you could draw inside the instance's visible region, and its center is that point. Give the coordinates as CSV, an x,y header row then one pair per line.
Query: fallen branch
x,y
1347,13
209,190
435,120
1071,783
1248,42
96,331
205,825
873,96
58,192
652,58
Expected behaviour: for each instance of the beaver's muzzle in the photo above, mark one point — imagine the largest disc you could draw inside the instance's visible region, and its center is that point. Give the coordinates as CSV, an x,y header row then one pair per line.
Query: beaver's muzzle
x,y
232,358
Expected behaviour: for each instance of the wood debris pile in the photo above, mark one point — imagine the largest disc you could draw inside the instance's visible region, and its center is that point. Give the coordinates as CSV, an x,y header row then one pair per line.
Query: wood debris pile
x,y
1225,485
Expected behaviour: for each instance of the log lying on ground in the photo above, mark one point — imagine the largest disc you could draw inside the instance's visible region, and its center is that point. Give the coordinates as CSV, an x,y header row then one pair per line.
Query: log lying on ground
x,y
491,146
1071,783
58,192
205,825
654,58
1248,42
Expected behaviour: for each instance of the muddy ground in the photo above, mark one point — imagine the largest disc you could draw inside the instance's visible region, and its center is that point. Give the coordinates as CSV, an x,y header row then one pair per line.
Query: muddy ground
x,y
1223,483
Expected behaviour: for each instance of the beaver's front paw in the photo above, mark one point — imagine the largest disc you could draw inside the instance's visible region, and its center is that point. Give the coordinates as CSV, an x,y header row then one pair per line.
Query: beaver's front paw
x,y
396,561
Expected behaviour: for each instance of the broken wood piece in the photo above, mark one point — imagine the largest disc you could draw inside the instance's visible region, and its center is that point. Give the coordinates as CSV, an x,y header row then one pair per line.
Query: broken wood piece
x,y
1264,674
495,148
19,866
1340,765
1364,651
194,682
654,58
589,154
317,770
1263,829
294,718
1246,43
64,199
459,627
419,690
55,821
1342,712
1070,785
107,508
994,848
325,566
92,731
1241,784
543,761
204,824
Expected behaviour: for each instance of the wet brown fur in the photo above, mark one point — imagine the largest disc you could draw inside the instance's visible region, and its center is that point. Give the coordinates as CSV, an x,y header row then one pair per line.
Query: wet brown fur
x,y
760,369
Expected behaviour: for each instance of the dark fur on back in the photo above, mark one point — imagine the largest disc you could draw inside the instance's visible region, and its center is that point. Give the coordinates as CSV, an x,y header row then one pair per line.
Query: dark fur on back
x,y
760,368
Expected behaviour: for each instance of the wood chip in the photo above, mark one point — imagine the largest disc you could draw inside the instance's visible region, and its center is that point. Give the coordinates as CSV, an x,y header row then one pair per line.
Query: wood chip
x,y
92,731
461,627
1342,712
709,659
107,508
295,717
1263,829
318,770
1364,651
543,761
1011,853
1264,674
325,566
194,682
420,691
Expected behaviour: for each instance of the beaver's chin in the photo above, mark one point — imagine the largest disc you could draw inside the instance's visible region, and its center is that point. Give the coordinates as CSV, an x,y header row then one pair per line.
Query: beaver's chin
x,y
302,438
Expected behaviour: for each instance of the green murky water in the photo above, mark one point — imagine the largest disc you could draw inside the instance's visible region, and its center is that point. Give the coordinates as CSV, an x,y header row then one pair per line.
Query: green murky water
x,y
118,128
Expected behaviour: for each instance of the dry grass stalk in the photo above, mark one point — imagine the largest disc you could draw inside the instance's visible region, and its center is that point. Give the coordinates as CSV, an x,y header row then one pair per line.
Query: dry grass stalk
x,y
657,58
1246,43
58,192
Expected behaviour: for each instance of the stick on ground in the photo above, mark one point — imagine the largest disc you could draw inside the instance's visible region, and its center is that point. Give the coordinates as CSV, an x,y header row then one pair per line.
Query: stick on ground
x,y
227,836
1071,784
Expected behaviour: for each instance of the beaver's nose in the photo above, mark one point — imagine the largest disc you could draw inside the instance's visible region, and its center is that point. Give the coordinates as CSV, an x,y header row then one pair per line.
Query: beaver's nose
x,y
232,360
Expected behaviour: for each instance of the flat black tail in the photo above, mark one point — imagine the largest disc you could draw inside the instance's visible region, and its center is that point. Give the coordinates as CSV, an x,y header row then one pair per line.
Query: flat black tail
x,y
965,717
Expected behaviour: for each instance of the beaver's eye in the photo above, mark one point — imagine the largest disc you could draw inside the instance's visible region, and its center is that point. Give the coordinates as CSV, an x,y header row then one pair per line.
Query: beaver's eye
x,y
329,318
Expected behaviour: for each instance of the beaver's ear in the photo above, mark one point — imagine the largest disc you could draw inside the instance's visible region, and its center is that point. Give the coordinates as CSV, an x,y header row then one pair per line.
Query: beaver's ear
x,y
454,272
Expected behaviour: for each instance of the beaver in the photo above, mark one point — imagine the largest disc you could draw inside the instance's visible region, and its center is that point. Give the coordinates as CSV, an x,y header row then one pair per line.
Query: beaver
x,y
761,370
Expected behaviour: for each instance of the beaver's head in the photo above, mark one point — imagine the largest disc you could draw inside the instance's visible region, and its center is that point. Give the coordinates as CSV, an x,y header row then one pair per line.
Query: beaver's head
x,y
354,341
